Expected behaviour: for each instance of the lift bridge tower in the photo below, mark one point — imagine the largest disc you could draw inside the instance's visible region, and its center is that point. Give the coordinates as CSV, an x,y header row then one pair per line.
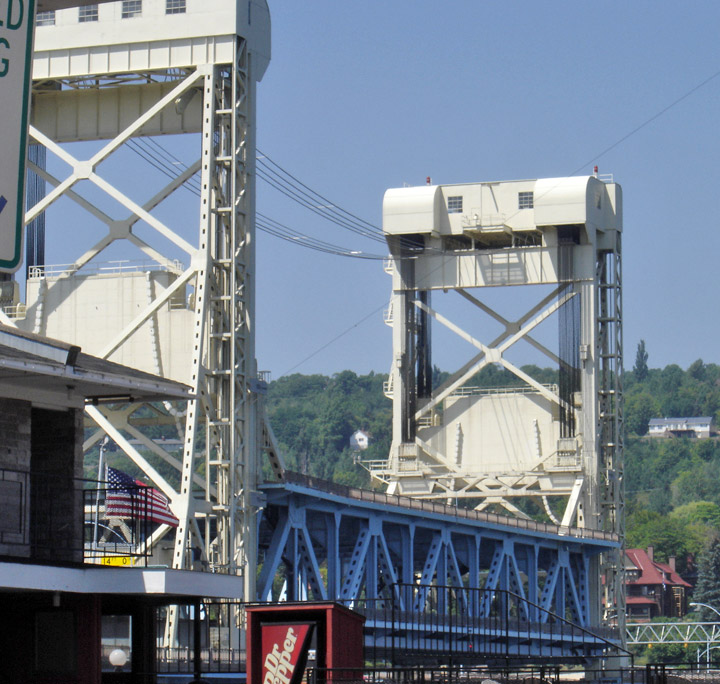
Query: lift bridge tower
x,y
182,303
558,440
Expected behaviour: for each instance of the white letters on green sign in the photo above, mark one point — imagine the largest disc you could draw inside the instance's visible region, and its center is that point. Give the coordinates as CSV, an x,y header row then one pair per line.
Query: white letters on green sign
x,y
16,34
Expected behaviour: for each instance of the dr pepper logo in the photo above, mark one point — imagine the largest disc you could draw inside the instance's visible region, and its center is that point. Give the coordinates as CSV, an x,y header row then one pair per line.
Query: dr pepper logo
x,y
283,647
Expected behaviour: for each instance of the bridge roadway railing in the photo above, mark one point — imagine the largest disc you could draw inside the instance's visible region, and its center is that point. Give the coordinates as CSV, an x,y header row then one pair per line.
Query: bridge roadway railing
x,y
455,624
433,507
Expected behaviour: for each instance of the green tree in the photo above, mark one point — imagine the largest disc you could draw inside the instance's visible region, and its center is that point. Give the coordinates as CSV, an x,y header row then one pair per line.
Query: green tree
x,y
640,369
670,653
639,409
707,589
668,536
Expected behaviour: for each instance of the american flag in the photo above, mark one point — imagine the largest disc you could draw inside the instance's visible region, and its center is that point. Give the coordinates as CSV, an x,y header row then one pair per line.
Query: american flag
x,y
130,498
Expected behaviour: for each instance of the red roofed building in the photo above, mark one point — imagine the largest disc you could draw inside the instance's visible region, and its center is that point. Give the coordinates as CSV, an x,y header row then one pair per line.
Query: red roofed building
x,y
653,589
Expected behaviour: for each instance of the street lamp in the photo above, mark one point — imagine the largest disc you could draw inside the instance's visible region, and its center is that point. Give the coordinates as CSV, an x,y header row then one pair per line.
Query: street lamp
x,y
705,605
707,650
117,659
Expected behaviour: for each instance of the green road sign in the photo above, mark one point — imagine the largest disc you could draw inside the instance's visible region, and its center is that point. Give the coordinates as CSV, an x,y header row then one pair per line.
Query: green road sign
x,y
17,18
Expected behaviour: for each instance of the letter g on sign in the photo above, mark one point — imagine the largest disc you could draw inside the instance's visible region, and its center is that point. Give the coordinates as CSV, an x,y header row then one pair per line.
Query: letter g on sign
x,y
4,62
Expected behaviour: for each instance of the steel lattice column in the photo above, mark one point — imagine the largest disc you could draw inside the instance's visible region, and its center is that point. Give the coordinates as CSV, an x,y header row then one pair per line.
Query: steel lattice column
x,y
610,422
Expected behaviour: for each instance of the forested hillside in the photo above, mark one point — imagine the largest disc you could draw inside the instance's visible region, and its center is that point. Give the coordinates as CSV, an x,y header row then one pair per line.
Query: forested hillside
x,y
314,416
672,485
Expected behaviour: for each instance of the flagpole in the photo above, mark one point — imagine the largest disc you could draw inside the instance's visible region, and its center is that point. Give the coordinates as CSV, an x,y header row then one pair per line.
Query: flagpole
x,y
97,494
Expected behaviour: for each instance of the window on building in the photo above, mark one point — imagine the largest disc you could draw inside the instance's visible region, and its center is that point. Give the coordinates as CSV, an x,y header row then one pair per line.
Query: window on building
x,y
88,13
525,200
454,204
131,8
175,7
45,18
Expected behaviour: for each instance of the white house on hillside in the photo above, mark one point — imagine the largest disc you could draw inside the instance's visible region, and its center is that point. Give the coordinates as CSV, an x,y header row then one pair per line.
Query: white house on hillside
x,y
701,427
359,441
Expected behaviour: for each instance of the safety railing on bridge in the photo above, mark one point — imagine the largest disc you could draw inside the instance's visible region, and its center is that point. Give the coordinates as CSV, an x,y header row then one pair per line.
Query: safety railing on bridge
x,y
433,507
454,624
435,675
606,673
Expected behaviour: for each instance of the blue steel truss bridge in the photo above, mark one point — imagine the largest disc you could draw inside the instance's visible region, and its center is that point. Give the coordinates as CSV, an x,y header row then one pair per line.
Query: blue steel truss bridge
x,y
438,582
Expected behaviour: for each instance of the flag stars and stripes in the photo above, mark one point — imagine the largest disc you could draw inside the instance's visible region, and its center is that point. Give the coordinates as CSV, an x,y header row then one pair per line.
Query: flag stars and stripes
x,y
131,498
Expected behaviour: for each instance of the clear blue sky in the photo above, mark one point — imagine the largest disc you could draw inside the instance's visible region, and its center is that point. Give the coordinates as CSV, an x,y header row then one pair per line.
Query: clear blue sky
x,y
360,97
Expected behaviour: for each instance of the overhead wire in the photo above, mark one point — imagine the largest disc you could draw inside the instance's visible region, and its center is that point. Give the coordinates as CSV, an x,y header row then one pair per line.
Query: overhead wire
x,y
286,183
273,227
334,339
318,210
170,165
330,210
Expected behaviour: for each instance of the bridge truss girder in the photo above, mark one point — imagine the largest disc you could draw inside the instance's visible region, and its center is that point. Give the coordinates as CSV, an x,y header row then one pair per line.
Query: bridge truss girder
x,y
644,633
327,546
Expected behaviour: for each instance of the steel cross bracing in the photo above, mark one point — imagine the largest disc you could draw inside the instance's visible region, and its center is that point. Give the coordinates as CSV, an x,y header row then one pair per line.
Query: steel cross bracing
x,y
194,323
319,541
494,488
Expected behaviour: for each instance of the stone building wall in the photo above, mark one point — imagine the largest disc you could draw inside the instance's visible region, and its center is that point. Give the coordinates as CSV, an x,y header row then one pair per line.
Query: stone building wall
x,y
15,451
56,464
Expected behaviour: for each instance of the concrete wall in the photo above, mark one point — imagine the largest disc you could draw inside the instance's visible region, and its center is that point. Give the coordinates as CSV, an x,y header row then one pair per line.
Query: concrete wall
x,y
93,310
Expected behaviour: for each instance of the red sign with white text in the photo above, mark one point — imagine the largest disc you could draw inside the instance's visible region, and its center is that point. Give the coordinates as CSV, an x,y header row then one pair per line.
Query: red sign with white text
x,y
283,647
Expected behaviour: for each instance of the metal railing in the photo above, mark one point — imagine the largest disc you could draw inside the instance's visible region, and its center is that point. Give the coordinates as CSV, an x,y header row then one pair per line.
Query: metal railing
x,y
55,517
485,391
433,507
105,268
447,624
435,675
15,311
219,650
41,515
116,523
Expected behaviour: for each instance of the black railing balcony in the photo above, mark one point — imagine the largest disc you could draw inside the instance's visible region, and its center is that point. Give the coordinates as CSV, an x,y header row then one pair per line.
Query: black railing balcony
x,y
55,517
117,524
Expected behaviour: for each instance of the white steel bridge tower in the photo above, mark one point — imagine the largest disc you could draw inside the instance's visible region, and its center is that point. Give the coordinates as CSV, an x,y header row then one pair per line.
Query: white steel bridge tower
x,y
182,306
556,241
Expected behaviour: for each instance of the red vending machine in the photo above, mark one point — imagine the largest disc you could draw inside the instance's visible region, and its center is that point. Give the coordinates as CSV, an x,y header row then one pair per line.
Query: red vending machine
x,y
284,638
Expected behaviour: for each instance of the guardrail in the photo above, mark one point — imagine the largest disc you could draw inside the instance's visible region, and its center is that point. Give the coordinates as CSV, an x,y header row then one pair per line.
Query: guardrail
x,y
52,516
452,624
106,267
442,509
483,391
